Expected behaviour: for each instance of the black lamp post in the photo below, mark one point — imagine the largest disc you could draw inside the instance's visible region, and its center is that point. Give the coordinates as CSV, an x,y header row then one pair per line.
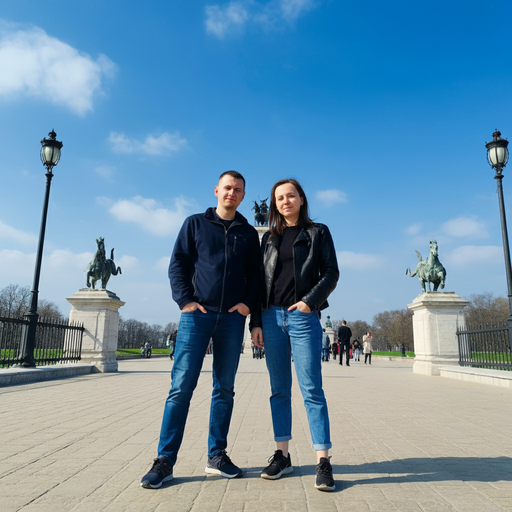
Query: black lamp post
x,y
50,156
497,156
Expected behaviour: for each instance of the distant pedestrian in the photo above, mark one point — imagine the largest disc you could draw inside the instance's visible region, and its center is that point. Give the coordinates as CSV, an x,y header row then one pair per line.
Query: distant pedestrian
x,y
367,347
357,350
334,349
172,343
344,335
326,343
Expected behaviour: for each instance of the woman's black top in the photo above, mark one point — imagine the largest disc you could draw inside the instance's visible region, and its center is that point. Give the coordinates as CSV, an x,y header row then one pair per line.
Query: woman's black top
x,y
283,288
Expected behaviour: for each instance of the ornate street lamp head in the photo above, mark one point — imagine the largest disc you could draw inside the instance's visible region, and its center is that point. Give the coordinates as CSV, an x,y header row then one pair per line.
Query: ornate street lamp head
x,y
50,151
497,152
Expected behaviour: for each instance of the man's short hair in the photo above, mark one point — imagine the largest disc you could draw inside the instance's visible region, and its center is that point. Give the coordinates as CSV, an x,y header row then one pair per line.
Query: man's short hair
x,y
234,174
344,322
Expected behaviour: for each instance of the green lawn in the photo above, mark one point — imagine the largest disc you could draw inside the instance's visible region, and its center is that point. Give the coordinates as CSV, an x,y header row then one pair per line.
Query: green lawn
x,y
136,351
393,354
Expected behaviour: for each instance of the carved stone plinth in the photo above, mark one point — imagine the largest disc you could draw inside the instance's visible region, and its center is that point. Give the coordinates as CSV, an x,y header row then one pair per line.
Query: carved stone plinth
x,y
436,318
98,310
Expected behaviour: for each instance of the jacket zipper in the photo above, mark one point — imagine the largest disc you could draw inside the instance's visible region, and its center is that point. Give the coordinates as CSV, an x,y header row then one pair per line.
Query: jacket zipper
x,y
225,259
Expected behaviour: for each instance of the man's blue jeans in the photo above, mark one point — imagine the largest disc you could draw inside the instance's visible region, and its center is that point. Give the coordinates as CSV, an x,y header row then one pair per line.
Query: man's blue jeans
x,y
194,333
285,332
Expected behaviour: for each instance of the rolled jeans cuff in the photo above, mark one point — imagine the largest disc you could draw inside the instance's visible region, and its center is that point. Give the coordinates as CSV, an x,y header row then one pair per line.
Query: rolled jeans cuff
x,y
280,439
318,447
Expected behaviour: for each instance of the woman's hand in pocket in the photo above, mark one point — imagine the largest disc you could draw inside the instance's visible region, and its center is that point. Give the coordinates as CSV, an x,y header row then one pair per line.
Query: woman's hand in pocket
x,y
301,306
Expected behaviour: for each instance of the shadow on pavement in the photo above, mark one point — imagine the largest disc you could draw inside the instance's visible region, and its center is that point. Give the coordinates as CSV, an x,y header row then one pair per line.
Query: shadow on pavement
x,y
437,469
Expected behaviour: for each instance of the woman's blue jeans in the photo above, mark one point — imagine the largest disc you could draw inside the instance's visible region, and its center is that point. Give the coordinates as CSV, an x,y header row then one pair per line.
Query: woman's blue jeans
x,y
194,333
285,332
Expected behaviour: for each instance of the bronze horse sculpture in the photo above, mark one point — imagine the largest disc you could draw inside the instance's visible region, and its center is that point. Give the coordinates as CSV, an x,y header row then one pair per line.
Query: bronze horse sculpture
x,y
260,213
100,267
430,270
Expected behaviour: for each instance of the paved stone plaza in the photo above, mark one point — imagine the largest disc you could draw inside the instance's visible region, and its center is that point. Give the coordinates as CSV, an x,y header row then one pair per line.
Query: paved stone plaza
x,y
402,442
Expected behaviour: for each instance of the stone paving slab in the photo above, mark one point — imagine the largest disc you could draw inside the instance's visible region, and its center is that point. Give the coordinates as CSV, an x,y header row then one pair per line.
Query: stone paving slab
x,y
401,442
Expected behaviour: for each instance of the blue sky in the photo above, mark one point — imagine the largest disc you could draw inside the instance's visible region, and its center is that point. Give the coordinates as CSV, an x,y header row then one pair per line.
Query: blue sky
x,y
380,109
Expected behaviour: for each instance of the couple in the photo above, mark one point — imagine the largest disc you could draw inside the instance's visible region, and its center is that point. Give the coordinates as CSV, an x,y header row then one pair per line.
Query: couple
x,y
217,278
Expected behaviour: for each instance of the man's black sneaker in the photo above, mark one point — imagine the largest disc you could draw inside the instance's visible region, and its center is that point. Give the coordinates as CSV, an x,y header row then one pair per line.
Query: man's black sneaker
x,y
221,465
279,466
324,479
160,472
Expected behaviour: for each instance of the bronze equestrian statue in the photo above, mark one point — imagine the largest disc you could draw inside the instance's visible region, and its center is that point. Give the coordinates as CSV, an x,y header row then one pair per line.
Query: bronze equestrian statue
x,y
100,267
430,270
260,213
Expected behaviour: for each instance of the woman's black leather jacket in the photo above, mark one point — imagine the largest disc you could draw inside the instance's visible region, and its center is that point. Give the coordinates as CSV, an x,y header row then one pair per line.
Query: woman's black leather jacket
x,y
315,268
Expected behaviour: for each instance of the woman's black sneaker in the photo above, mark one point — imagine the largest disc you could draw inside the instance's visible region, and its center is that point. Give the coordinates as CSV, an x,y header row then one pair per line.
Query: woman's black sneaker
x,y
324,479
279,466
160,472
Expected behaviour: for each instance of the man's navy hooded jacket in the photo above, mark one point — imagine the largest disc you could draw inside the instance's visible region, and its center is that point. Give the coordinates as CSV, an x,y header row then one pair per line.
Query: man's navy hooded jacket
x,y
214,265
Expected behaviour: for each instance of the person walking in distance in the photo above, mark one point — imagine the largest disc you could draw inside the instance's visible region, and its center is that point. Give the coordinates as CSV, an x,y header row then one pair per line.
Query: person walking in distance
x,y
334,349
214,276
326,344
356,350
367,347
344,335
172,343
299,271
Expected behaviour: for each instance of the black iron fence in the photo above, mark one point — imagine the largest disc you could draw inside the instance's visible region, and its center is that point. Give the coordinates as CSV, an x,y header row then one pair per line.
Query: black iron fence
x,y
57,341
485,347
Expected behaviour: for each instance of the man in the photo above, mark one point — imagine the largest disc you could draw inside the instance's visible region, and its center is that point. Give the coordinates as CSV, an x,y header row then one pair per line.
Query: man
x,y
326,343
214,275
344,335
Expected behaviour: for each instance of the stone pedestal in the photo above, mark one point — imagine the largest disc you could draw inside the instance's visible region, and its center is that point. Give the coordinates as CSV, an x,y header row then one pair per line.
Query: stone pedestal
x,y
330,332
247,334
436,318
98,310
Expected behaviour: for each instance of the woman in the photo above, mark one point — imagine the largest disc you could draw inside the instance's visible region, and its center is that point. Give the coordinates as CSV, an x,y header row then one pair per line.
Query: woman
x,y
299,270
367,347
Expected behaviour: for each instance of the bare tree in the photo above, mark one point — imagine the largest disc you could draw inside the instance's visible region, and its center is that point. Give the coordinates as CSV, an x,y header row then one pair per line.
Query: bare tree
x,y
485,309
170,328
359,328
133,334
14,300
392,329
48,309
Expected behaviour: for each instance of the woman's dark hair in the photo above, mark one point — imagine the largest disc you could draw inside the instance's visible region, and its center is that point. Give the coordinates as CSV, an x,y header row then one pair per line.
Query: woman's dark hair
x,y
276,222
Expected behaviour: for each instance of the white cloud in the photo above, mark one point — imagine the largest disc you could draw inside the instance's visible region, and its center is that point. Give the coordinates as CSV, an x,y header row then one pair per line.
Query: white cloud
x,y
465,227
60,259
330,197
37,65
358,261
9,233
292,9
61,264
105,171
162,145
222,20
163,263
476,255
126,262
414,229
150,215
